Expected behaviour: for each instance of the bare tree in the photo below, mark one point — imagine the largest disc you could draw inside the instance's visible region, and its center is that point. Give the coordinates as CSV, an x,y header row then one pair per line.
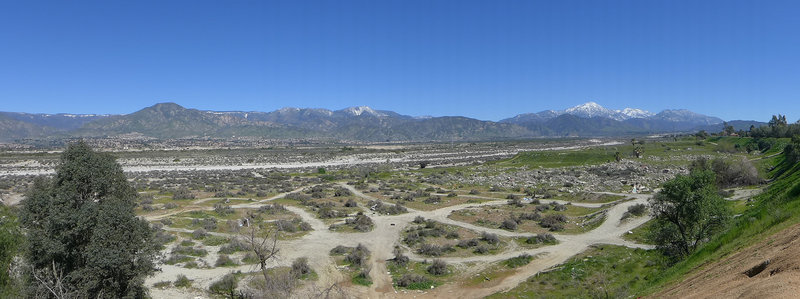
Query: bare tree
x,y
264,246
51,281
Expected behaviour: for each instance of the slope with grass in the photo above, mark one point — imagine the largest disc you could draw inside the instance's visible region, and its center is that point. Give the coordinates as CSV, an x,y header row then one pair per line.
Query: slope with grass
x,y
761,243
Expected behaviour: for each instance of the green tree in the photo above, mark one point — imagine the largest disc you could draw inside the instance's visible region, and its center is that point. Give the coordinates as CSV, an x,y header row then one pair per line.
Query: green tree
x,y
81,224
687,211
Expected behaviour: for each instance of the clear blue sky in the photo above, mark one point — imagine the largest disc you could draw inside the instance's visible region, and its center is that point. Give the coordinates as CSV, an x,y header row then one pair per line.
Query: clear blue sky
x,y
482,59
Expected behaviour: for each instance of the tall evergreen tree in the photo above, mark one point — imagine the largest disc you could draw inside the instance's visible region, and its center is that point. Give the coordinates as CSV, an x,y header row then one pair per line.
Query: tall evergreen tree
x,y
82,224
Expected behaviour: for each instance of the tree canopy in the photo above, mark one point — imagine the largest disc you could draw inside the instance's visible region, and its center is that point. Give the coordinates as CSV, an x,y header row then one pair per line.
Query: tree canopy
x,y
82,225
687,211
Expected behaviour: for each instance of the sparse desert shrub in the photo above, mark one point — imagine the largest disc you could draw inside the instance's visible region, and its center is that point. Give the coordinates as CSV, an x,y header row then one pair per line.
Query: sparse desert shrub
x,y
182,193
182,282
351,203
468,243
233,246
438,267
474,192
452,235
340,249
223,210
399,257
300,267
482,249
490,238
433,200
358,256
535,216
360,223
199,234
224,261
518,261
545,238
558,207
414,281
554,222
509,224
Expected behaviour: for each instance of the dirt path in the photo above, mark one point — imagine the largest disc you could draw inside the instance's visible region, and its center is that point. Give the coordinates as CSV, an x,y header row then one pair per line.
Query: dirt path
x,y
386,234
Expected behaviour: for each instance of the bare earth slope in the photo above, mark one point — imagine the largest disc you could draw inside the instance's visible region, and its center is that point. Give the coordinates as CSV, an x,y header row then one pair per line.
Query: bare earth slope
x,y
728,278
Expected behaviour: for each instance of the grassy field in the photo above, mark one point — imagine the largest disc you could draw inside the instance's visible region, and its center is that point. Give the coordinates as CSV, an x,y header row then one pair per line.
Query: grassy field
x,y
606,271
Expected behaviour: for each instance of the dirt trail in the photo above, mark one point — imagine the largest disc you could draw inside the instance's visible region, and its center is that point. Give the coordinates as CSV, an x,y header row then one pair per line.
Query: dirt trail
x,y
386,234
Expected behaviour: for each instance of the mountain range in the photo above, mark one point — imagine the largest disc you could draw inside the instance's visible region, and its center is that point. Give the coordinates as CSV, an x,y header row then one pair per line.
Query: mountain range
x,y
170,120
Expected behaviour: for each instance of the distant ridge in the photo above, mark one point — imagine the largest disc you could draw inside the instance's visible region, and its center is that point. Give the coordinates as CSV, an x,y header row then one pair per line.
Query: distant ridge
x,y
360,123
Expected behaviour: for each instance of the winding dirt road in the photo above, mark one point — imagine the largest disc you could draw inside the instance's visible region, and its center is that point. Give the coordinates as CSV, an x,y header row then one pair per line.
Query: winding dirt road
x,y
386,234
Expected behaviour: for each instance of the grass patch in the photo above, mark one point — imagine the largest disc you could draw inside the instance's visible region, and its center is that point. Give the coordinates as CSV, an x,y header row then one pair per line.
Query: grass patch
x,y
518,261
607,270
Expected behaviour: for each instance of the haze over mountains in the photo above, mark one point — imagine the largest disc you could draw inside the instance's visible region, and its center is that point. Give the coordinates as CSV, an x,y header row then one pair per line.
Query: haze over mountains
x,y
170,120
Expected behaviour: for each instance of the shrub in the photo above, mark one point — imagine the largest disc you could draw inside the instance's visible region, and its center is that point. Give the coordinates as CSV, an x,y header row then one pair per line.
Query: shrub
x,y
182,282
399,258
351,203
519,261
224,261
490,238
554,222
339,250
300,267
535,216
541,239
182,193
199,234
482,249
226,286
468,243
358,257
233,246
438,267
414,282
638,209
430,249
509,224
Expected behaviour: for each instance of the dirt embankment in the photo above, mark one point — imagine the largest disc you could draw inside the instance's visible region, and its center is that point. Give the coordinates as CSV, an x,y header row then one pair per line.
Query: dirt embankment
x,y
768,269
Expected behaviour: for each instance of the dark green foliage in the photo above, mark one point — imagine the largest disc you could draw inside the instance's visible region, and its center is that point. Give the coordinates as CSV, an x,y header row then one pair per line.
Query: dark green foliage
x,y
792,150
83,221
687,211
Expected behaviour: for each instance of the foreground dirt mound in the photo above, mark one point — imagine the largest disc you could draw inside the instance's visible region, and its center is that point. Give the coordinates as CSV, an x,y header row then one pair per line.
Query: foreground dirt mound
x,y
769,269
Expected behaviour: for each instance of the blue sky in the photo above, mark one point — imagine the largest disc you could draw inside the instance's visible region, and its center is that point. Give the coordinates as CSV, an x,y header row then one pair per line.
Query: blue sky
x,y
482,59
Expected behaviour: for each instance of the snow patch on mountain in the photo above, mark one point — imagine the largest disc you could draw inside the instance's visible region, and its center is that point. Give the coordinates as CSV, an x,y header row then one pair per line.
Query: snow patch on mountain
x,y
357,111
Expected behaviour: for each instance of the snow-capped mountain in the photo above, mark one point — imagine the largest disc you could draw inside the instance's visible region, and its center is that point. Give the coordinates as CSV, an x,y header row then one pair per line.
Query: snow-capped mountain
x,y
592,109
359,110
636,113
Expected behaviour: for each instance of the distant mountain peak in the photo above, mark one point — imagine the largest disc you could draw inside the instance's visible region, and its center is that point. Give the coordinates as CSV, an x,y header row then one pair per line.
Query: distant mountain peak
x,y
592,109
360,110
636,113
288,109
